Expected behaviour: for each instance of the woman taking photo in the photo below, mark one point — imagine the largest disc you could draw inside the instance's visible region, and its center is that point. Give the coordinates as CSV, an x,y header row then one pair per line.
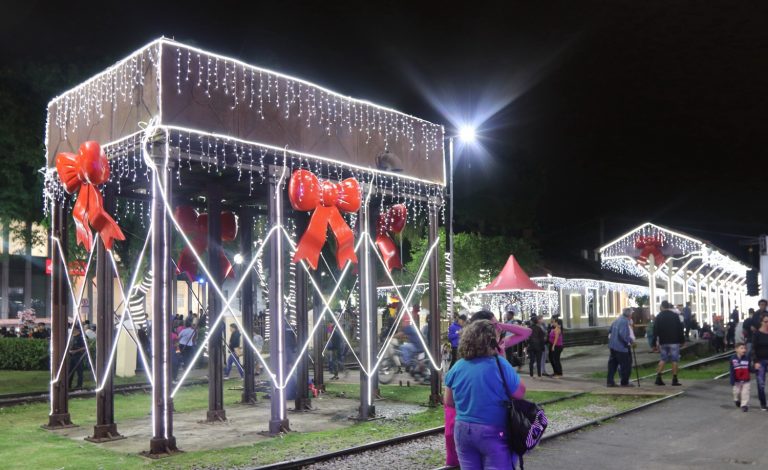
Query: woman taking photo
x,y
474,387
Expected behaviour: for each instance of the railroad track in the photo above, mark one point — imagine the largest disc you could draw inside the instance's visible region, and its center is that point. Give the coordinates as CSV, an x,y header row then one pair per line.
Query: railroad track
x,y
42,397
299,463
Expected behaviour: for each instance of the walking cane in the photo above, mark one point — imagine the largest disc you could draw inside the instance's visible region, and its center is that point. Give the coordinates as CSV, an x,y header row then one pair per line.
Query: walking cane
x,y
637,371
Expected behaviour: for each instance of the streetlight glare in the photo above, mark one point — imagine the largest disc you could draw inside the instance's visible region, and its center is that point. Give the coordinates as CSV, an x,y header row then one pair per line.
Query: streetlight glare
x,y
467,134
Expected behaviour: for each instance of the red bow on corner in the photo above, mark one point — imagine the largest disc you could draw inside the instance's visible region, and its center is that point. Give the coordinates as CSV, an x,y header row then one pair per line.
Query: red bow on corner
x,y
80,173
393,221
650,245
196,227
327,198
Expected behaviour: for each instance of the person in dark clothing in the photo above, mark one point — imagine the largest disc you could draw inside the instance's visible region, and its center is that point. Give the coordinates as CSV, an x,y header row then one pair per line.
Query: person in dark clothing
x,y
752,324
687,317
668,330
454,332
536,344
620,342
336,349
76,357
760,358
234,351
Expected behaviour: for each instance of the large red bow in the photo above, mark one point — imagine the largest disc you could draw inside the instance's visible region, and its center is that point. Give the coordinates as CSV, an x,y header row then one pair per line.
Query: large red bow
x,y
82,172
650,245
327,198
196,227
391,221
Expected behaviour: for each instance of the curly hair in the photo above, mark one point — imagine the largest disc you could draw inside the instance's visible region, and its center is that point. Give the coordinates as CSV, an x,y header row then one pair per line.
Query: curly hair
x,y
478,339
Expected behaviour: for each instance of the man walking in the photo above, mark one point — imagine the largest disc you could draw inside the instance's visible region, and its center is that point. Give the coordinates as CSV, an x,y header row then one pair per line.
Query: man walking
x,y
454,332
234,352
669,332
619,342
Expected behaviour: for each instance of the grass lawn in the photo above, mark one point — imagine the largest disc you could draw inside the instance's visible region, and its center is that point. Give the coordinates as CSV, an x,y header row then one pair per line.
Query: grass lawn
x,y
21,435
705,372
25,381
418,394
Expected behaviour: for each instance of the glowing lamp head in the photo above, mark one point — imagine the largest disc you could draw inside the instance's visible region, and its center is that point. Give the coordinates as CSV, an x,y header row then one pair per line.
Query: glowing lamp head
x,y
467,134
239,259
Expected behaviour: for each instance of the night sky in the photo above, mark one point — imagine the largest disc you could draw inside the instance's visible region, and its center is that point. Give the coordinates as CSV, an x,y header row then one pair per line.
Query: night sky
x,y
616,110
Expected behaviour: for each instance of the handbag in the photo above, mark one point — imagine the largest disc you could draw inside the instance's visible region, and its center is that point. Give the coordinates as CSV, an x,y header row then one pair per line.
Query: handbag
x,y
526,422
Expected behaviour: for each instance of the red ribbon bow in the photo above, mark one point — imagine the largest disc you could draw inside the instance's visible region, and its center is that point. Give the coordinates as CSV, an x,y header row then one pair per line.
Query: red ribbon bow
x,y
327,198
81,173
391,221
196,226
650,245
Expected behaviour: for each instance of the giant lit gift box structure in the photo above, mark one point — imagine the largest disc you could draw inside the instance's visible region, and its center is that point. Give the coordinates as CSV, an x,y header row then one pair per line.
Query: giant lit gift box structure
x,y
201,147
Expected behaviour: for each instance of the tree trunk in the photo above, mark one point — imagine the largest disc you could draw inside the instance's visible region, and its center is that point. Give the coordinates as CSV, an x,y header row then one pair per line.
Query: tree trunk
x,y
27,264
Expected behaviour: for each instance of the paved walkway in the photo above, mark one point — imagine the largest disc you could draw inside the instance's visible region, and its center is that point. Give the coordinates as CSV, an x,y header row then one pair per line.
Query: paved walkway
x,y
701,429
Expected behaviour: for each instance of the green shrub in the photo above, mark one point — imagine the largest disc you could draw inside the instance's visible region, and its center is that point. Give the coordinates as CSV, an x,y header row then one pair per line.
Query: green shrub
x,y
24,354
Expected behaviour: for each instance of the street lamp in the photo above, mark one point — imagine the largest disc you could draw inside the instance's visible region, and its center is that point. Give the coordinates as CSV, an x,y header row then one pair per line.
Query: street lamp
x,y
467,135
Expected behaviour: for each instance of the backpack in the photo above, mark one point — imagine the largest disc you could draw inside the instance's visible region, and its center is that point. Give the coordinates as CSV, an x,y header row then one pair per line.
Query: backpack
x,y
526,423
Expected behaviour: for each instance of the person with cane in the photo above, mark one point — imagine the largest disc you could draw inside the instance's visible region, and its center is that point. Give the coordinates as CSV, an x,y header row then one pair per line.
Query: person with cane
x,y
619,343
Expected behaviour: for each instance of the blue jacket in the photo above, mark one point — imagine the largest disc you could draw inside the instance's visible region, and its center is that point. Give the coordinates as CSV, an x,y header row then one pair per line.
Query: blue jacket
x,y
453,334
619,336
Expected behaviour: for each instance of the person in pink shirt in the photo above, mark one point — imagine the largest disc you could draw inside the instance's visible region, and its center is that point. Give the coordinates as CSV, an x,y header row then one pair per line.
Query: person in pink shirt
x,y
556,347
518,334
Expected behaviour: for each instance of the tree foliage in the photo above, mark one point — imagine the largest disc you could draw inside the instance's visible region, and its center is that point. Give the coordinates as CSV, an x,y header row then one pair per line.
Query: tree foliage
x,y
474,254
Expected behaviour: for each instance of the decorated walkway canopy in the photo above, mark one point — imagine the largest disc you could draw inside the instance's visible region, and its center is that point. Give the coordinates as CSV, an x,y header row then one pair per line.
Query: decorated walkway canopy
x,y
206,150
694,270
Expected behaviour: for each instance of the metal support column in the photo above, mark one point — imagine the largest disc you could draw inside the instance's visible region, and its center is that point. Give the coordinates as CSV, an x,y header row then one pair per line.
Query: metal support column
x,y
303,400
436,393
246,307
162,442
367,409
105,428
216,410
278,422
319,338
59,416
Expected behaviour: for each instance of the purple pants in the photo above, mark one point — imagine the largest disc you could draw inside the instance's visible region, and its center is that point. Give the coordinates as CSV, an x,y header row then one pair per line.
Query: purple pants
x,y
482,446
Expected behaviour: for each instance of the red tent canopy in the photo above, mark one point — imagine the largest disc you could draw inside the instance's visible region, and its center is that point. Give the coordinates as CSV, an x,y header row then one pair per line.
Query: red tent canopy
x,y
511,278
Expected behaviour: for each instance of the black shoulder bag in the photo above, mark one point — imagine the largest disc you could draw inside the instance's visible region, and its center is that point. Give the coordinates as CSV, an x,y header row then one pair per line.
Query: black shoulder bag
x,y
526,422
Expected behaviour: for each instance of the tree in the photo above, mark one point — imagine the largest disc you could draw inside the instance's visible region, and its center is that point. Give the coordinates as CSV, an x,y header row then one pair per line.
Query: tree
x,y
474,254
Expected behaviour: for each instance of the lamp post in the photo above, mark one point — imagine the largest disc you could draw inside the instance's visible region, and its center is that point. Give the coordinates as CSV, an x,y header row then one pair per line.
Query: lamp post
x,y
466,134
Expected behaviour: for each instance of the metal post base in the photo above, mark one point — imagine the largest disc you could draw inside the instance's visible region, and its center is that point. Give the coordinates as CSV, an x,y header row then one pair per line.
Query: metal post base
x,y
249,400
436,400
277,426
215,416
161,447
59,421
371,414
303,404
105,433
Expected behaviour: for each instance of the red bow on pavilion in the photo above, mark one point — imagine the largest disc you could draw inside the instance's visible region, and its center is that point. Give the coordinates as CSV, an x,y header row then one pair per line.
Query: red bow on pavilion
x,y
196,227
327,198
393,221
80,173
650,245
